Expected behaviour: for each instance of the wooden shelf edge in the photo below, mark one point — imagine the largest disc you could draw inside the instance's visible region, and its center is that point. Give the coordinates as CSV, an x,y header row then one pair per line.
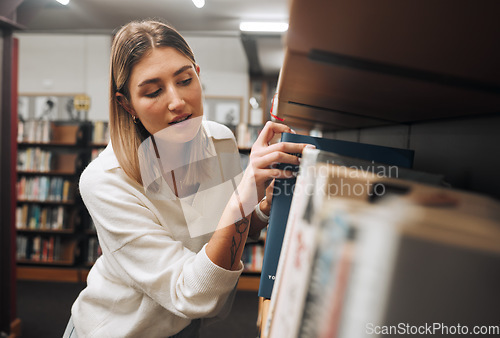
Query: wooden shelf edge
x,y
45,202
47,231
48,274
50,144
248,283
46,173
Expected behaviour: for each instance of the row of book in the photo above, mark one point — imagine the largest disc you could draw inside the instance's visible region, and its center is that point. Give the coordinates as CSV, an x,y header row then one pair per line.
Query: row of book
x,y
46,131
366,254
252,257
100,132
39,249
44,189
34,159
34,131
94,250
37,217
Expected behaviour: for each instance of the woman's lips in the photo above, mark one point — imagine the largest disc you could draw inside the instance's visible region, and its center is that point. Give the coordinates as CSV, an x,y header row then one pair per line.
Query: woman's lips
x,y
180,119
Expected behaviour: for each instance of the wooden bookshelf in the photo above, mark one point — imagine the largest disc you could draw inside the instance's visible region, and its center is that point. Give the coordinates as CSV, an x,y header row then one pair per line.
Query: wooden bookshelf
x,y
50,213
344,69
364,70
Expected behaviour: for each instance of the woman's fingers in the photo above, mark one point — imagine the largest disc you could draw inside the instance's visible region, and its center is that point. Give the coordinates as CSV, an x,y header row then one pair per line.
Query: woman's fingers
x,y
278,173
269,131
272,159
287,147
283,152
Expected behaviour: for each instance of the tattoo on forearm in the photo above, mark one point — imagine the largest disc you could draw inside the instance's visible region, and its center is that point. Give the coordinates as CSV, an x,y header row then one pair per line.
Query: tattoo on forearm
x,y
241,227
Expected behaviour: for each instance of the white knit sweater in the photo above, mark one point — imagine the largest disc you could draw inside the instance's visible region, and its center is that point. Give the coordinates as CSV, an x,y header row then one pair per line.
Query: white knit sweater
x,y
152,278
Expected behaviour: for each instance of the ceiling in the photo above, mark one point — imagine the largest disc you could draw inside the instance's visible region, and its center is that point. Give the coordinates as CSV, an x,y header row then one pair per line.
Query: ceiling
x,y
217,18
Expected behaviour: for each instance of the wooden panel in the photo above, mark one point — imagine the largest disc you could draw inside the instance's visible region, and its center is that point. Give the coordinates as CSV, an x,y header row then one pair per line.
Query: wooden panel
x,y
65,134
352,98
249,283
48,274
353,64
454,37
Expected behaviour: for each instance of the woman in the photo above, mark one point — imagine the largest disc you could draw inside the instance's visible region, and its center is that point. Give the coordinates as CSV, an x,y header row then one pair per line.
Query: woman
x,y
163,270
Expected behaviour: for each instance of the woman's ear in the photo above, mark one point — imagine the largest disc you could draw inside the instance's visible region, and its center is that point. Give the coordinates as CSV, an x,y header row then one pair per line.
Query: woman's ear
x,y
198,70
122,101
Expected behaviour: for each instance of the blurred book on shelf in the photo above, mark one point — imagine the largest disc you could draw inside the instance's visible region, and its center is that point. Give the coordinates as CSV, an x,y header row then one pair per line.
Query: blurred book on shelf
x,y
363,251
284,191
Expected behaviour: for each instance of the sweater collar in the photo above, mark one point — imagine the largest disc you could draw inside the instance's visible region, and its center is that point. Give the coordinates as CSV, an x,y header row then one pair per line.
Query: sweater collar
x,y
215,130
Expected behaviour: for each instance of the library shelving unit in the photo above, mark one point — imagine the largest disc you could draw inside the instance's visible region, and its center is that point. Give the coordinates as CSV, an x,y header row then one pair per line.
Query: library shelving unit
x,y
50,216
90,248
373,72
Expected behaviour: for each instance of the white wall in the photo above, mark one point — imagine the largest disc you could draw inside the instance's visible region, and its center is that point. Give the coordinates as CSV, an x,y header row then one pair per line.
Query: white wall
x,y
73,64
224,66
66,64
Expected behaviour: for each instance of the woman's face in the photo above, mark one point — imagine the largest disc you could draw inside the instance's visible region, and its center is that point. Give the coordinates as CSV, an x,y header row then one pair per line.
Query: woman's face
x,y
165,91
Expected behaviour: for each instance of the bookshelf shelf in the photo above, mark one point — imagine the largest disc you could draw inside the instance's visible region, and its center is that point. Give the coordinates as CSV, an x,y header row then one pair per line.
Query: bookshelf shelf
x,y
386,77
50,144
97,145
50,219
47,231
49,273
45,202
45,173
248,283
42,262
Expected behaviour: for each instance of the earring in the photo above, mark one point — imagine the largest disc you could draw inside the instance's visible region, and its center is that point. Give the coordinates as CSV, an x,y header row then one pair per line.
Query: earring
x,y
134,118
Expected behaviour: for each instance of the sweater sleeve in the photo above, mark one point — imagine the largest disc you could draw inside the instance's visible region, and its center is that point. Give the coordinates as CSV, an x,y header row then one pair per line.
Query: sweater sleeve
x,y
142,254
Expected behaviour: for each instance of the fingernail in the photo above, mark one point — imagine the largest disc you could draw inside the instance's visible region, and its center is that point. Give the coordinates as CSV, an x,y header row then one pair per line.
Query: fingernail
x,y
310,146
293,131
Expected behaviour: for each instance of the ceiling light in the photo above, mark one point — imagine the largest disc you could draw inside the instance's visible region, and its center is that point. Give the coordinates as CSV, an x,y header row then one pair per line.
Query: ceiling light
x,y
264,26
63,2
199,3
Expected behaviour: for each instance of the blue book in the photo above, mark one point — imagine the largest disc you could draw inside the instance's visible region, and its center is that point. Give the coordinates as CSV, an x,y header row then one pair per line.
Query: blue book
x,y
281,202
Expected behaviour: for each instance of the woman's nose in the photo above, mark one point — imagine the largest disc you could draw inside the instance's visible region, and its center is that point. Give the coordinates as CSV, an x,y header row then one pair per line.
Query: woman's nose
x,y
176,102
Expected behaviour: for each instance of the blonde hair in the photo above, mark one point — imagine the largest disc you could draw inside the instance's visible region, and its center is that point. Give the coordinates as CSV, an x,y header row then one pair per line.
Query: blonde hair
x,y
130,44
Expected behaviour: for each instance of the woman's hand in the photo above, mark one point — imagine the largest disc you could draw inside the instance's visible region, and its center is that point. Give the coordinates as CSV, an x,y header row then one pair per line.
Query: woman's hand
x,y
264,157
226,245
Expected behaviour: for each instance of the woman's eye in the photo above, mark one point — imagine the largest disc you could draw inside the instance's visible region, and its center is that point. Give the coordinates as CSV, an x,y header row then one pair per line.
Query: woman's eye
x,y
186,82
154,94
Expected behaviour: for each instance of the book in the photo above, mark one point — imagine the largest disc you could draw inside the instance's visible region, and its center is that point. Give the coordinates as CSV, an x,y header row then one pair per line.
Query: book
x,y
375,263
283,193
